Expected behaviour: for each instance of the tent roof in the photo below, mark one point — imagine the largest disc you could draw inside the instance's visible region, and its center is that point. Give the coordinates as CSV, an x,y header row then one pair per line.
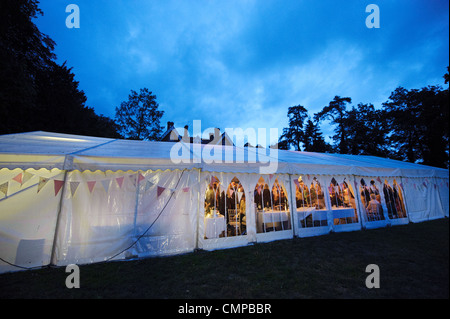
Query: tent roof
x,y
74,152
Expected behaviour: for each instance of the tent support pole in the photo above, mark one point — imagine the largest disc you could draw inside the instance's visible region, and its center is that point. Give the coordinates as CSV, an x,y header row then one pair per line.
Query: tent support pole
x,y
293,208
359,210
58,217
198,210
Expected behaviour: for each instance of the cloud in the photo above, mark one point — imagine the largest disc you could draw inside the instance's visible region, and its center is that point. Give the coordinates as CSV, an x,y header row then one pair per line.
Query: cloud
x,y
242,63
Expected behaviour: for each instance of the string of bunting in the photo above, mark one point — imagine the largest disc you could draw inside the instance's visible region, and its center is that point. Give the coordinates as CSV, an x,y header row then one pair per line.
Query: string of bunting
x,y
135,179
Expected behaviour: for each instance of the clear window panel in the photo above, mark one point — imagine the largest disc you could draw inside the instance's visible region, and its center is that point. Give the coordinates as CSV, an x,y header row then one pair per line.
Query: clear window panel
x,y
271,207
311,208
343,203
225,209
371,201
394,200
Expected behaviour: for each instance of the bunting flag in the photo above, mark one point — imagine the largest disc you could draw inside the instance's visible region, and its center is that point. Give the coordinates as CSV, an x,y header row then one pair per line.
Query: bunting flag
x,y
73,187
424,184
119,181
379,180
132,179
148,185
307,176
58,184
26,177
42,182
106,184
297,183
91,185
135,179
18,178
4,188
160,190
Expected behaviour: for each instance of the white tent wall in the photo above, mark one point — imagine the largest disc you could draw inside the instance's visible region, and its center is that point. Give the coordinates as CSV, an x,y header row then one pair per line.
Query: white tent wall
x,y
28,214
423,199
116,215
443,189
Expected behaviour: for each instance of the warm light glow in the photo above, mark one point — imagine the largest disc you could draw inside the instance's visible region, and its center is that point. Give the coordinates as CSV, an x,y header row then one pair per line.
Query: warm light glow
x,y
62,139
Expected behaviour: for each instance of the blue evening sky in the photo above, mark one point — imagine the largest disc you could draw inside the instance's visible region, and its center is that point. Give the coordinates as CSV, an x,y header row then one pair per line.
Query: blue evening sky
x,y
242,63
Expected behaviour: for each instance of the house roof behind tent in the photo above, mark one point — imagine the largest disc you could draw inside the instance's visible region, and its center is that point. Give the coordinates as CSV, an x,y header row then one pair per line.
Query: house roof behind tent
x,y
66,151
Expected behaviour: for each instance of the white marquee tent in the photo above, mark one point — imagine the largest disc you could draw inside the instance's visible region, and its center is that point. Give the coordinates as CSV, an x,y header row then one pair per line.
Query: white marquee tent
x,y
68,199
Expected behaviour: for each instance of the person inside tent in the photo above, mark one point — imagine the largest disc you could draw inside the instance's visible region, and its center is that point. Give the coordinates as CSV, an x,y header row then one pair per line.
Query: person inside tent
x,y
374,208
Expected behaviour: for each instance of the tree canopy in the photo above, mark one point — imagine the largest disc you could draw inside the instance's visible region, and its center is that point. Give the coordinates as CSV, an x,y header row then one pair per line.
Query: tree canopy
x,y
412,125
37,93
139,118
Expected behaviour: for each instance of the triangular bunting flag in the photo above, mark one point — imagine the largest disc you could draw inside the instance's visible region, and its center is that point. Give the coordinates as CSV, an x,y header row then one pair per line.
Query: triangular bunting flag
x,y
18,178
73,187
4,188
42,182
26,177
379,180
140,177
132,179
160,190
186,189
297,183
119,181
58,185
148,185
91,185
106,184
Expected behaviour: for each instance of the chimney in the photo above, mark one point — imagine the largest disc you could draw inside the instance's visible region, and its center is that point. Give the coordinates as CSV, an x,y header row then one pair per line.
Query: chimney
x,y
169,125
186,134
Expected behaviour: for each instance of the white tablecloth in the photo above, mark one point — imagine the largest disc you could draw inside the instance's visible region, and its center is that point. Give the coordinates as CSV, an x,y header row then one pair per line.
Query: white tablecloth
x,y
214,226
318,214
273,216
343,212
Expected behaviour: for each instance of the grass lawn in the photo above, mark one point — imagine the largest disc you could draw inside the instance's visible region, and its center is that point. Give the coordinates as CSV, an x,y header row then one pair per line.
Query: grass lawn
x,y
413,261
